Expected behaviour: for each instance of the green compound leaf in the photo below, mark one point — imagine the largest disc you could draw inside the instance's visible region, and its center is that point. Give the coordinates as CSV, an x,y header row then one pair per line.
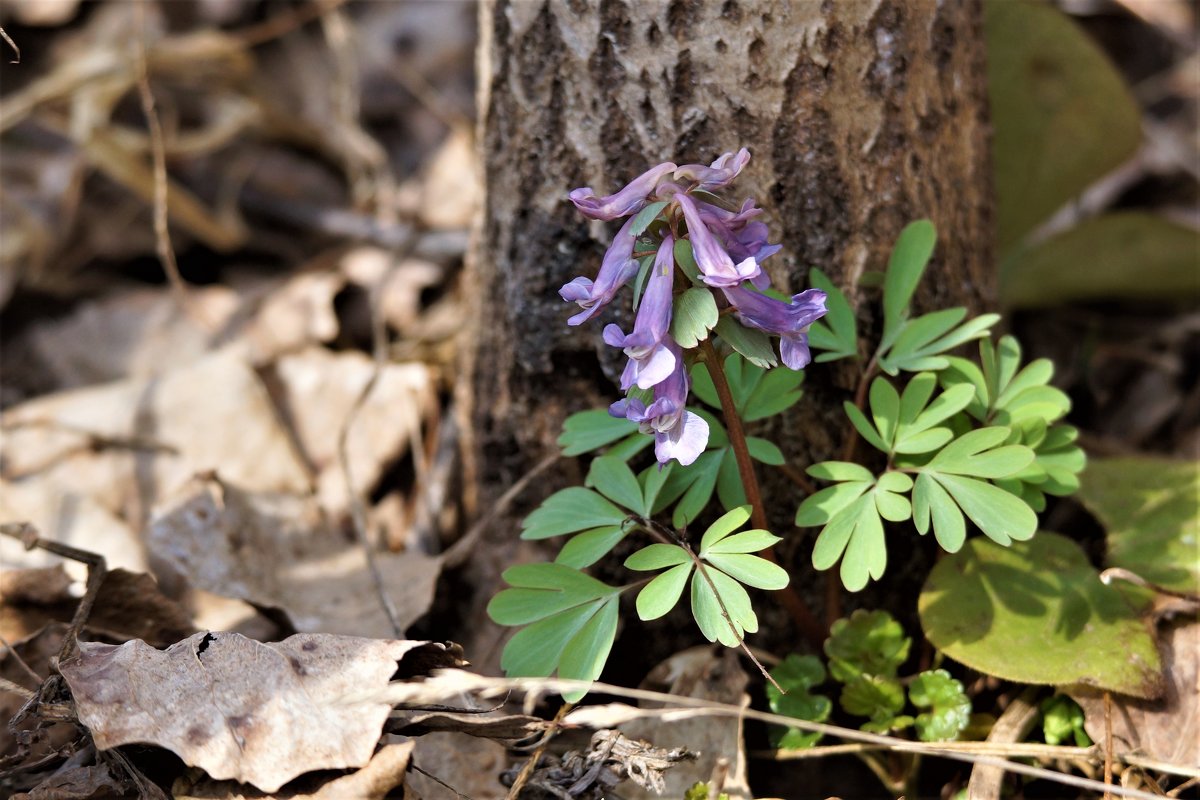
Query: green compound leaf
x,y
590,430
905,267
778,391
643,218
662,594
866,643
853,513
584,549
651,481
693,486
949,707
570,510
920,344
707,610
613,478
836,333
725,525
1037,612
797,675
876,696
979,454
751,343
865,428
840,471
574,623
693,316
1062,721
1149,512
750,570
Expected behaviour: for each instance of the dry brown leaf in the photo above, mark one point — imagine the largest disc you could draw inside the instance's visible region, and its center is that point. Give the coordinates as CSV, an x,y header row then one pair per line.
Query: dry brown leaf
x,y
1167,729
383,773
46,13
282,551
240,709
400,304
707,674
36,651
293,314
320,389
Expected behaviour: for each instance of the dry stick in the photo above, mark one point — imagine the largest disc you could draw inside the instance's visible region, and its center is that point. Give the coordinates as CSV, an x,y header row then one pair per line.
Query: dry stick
x,y
469,681
27,535
649,527
15,688
4,35
523,776
358,511
162,234
461,550
285,23
1108,745
804,618
22,663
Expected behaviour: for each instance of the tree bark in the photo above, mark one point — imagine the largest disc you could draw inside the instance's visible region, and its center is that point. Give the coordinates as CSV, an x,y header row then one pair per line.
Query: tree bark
x,y
860,117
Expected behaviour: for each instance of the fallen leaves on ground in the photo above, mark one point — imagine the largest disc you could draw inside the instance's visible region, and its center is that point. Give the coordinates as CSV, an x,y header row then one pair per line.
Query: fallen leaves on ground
x,y
244,710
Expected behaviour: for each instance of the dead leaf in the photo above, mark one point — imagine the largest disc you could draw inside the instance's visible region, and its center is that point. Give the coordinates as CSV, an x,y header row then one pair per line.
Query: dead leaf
x,y
1167,729
707,674
420,723
46,13
293,314
320,389
383,773
282,551
240,709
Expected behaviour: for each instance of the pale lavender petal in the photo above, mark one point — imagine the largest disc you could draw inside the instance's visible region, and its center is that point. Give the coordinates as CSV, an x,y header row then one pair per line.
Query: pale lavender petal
x,y
654,368
716,267
616,270
628,200
684,443
790,320
718,174
793,351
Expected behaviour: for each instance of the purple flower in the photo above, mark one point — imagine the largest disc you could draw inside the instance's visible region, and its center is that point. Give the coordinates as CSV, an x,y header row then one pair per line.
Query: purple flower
x,y
650,359
790,320
616,270
720,173
678,433
743,238
716,267
627,201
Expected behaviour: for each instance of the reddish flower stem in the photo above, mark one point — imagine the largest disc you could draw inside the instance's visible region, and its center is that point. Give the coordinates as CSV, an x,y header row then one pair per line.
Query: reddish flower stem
x,y
805,620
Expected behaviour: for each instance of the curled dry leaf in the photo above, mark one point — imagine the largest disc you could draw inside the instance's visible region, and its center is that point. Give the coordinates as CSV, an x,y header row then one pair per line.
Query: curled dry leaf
x,y
281,551
244,710
1167,729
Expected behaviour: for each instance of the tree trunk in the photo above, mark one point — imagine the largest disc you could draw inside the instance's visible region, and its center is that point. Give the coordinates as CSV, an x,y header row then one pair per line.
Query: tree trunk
x,y
860,117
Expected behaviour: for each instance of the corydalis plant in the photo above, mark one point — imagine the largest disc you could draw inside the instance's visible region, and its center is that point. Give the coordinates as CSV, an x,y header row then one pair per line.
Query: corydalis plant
x,y
692,257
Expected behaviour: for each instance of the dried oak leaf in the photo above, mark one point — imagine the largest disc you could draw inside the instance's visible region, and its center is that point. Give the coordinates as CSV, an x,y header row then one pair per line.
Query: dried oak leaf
x,y
244,710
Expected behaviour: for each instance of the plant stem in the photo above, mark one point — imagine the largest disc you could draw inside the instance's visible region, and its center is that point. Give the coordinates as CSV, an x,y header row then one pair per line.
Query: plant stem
x,y
812,629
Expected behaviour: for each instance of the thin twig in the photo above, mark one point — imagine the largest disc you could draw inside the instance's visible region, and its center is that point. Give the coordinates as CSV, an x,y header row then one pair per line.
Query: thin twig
x,y
1108,745
416,768
22,663
97,569
465,681
4,35
285,22
15,688
514,791
813,631
162,233
461,550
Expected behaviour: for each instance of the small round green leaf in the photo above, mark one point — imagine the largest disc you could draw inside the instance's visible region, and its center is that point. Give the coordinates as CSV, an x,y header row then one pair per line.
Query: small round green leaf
x,y
662,594
657,556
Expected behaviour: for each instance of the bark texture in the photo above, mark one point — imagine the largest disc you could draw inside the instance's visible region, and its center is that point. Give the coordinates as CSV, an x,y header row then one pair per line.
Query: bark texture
x,y
861,116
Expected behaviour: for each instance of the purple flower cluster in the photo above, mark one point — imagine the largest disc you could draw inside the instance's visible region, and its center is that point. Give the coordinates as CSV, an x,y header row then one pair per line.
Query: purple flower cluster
x,y
728,247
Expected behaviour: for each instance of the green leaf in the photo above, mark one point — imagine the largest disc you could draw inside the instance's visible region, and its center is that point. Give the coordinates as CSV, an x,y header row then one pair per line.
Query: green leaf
x,y
1149,512
821,507
836,332
751,343
662,594
1062,116
764,451
1127,255
630,446
639,283
702,386
864,427
1003,517
855,535
866,643
584,549
885,409
707,611
1037,612
905,267
615,480
841,471
876,696
693,316
929,499
745,542
976,453
1062,720
750,570
725,525
652,481
587,651
729,482
949,707
924,329
797,675
778,391
590,430
699,493
686,260
643,218
570,510
657,556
